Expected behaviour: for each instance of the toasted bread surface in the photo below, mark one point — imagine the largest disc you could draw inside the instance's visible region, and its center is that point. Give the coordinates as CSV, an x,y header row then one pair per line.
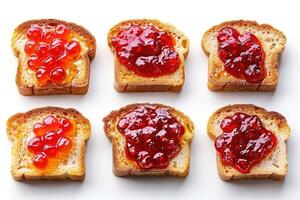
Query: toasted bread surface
x,y
77,81
178,166
273,42
128,81
19,130
274,166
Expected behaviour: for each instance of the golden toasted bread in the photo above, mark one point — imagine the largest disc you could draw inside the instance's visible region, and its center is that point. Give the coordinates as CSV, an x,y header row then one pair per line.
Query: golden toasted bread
x,y
127,81
274,165
122,166
273,42
77,75
20,131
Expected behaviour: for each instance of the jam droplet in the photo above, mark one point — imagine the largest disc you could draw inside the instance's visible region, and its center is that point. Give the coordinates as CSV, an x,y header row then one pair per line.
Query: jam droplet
x,y
57,75
73,49
242,55
244,142
42,75
146,50
49,140
30,47
42,51
35,145
152,135
40,160
34,33
34,63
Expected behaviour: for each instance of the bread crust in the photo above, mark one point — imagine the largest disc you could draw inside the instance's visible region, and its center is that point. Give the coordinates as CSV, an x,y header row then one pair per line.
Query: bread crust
x,y
127,81
227,82
52,89
13,124
132,168
279,121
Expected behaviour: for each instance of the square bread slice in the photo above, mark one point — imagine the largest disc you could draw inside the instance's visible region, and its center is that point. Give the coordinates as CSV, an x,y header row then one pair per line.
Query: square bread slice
x,y
122,166
274,166
76,82
273,42
20,130
128,81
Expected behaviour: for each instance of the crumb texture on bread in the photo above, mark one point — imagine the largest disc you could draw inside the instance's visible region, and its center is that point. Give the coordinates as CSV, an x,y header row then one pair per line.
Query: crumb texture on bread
x,y
77,80
19,130
128,81
274,166
273,42
178,166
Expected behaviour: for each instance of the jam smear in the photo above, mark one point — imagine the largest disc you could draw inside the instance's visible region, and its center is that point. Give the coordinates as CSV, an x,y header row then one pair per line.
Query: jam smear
x,y
242,54
146,50
51,51
152,135
52,137
244,142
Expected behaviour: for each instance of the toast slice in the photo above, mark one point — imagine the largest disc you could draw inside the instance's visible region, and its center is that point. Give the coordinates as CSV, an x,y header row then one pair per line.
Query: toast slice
x,y
20,130
77,80
274,166
122,166
128,81
273,42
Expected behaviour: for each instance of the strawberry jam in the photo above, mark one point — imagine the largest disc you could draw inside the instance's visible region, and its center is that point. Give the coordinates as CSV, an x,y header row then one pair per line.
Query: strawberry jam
x,y
242,55
152,135
52,137
146,50
51,51
244,142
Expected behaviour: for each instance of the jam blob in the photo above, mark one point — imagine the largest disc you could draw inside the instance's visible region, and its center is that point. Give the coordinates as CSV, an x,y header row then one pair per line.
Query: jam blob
x,y
152,135
244,141
242,55
50,51
51,138
146,50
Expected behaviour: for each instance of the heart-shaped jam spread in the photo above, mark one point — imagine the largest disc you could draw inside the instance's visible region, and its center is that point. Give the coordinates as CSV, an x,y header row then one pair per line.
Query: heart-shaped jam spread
x,y
52,139
51,51
146,50
153,135
242,54
244,141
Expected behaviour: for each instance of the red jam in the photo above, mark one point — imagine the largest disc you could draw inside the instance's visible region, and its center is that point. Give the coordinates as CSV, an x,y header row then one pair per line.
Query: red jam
x,y
50,51
152,135
244,141
52,137
242,54
146,50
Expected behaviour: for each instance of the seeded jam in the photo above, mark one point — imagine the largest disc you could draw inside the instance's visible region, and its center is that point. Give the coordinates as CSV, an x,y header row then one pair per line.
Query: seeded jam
x,y
52,139
51,51
242,55
244,142
152,136
146,50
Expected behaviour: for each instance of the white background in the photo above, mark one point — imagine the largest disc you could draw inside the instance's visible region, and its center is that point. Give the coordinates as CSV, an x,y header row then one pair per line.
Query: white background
x,y
193,18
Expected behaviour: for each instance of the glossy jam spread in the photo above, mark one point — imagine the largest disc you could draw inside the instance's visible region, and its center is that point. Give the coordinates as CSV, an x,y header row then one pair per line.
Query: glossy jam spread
x,y
146,50
50,51
153,136
244,141
52,139
242,54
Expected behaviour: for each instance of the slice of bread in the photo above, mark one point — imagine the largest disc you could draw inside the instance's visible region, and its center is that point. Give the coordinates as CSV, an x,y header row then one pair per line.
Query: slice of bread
x,y
76,82
19,130
128,81
274,166
273,42
122,166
